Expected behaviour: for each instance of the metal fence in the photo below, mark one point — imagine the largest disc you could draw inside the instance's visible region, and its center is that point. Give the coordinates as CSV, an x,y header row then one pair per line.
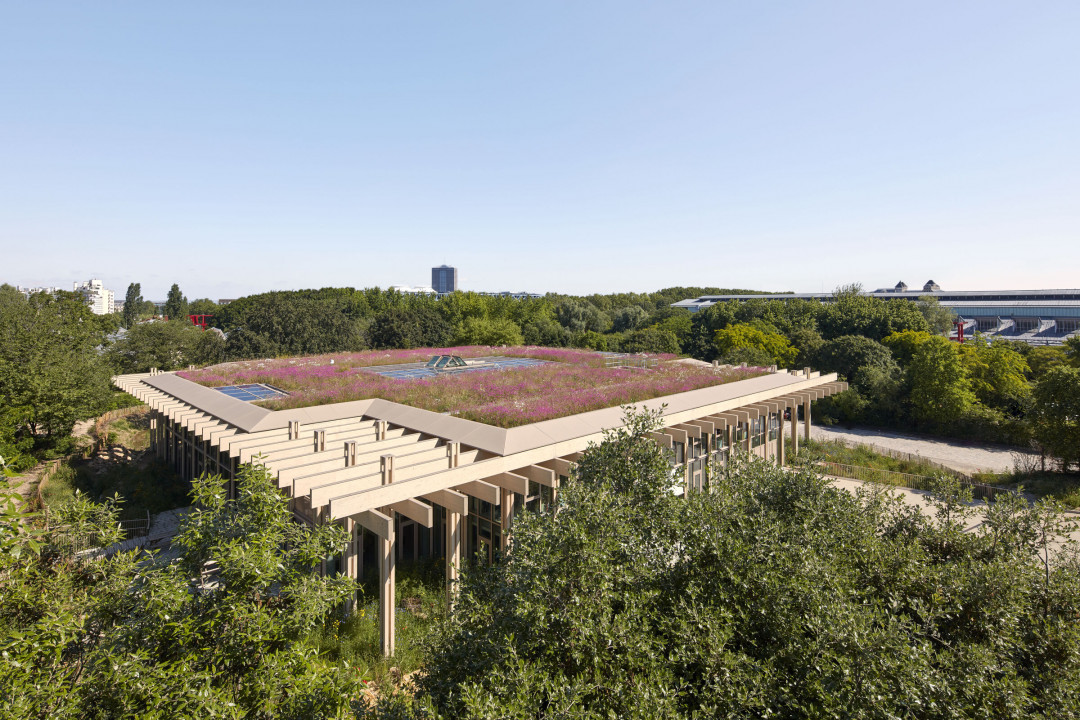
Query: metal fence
x,y
899,479
628,361
72,542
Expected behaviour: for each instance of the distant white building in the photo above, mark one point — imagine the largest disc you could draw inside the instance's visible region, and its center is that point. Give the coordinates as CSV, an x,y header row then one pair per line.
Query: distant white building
x,y
409,290
101,300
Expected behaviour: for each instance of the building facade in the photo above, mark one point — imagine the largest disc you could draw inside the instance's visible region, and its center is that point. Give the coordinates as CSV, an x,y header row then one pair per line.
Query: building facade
x,y
1037,317
407,482
444,279
102,301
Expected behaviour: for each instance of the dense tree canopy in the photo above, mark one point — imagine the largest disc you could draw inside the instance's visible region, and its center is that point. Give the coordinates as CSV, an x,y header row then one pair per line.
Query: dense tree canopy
x,y
772,595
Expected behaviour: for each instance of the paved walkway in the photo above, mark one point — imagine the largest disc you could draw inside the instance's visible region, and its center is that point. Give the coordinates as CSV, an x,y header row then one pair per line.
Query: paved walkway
x,y
962,456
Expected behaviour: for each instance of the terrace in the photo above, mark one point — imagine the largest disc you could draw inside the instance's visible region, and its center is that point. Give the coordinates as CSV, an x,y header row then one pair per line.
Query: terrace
x,y
502,387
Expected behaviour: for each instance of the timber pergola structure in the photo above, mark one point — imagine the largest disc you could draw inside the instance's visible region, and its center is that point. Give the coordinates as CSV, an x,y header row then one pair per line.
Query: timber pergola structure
x,y
386,468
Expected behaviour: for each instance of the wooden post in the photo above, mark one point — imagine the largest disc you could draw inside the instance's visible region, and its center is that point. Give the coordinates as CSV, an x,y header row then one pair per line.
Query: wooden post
x,y
780,438
453,556
794,429
387,601
387,566
806,419
350,562
506,510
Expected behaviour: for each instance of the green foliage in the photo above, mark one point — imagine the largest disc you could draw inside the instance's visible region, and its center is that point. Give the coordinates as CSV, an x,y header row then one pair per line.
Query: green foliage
x,y
133,302
51,373
940,391
1055,414
998,375
171,345
771,345
651,340
854,314
202,306
409,328
771,595
123,637
488,331
939,319
856,359
175,304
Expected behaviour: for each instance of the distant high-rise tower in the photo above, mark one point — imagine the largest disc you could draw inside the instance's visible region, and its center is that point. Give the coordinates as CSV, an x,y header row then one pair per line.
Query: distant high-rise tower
x,y
444,279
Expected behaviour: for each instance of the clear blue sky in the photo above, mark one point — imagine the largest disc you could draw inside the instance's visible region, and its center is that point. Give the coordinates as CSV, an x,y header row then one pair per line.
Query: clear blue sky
x,y
549,146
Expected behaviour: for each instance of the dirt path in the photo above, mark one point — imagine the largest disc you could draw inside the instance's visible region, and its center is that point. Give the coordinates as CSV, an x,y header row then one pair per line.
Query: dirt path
x,y
962,456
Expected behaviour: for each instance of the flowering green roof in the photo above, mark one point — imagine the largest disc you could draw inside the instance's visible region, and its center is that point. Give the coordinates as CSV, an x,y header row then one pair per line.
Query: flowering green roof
x,y
571,382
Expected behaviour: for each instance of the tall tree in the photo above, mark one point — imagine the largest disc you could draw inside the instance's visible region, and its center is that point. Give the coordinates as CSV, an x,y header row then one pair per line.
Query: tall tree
x,y
940,390
50,364
176,304
133,301
1055,414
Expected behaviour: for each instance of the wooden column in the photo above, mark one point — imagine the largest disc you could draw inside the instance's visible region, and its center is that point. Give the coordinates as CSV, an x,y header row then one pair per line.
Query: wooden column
x,y
453,556
780,439
794,429
506,514
806,419
387,570
349,556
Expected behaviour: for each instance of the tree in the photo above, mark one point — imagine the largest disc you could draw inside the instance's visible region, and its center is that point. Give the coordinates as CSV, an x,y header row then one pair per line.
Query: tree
x,y
202,306
171,345
482,331
938,318
51,371
772,594
855,358
1072,350
998,375
940,391
650,340
133,301
130,637
1055,414
176,304
417,327
771,345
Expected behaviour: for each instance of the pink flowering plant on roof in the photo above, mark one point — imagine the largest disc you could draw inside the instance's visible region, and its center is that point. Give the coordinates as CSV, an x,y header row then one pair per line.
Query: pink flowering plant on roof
x,y
572,381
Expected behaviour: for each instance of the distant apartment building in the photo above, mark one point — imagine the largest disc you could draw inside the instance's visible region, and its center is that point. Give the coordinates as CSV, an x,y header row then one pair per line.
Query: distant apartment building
x,y
101,300
444,279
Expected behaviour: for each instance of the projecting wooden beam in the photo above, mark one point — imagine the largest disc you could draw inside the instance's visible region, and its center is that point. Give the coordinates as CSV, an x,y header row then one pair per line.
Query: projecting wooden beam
x,y
454,502
376,522
676,434
480,490
510,481
663,439
542,475
705,425
691,430
561,466
415,511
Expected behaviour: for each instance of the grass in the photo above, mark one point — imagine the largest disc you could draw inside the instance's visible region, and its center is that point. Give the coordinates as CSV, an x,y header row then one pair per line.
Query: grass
x,y
421,602
1064,487
863,456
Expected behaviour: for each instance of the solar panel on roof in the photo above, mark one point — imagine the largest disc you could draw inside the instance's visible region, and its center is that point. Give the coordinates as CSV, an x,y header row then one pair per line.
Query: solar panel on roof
x,y
252,393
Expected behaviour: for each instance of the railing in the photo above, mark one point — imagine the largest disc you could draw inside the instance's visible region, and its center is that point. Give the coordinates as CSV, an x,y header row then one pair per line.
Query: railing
x,y
626,361
897,455
899,479
73,543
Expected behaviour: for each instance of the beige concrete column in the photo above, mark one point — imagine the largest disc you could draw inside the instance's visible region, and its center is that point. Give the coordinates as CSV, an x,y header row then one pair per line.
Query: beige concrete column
x,y
349,558
387,600
453,556
806,419
780,439
794,429
506,513
387,569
